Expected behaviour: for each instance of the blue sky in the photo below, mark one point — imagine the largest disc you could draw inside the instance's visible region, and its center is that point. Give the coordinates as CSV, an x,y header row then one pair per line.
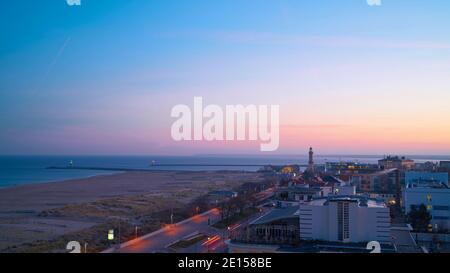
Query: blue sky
x,y
73,76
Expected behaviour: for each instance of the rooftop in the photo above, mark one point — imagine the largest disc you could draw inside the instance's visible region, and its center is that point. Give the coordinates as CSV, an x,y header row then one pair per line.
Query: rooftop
x,y
332,179
384,172
224,193
277,214
427,185
362,201
395,158
300,189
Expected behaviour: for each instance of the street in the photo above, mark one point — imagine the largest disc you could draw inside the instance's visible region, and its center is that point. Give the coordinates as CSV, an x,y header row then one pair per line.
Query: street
x,y
168,235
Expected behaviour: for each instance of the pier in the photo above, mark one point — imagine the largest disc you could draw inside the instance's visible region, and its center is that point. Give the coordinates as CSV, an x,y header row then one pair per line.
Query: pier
x,y
155,167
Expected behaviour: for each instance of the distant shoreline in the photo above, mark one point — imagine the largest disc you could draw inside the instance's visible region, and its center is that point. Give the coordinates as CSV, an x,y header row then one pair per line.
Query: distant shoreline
x,y
12,186
110,172
23,170
153,166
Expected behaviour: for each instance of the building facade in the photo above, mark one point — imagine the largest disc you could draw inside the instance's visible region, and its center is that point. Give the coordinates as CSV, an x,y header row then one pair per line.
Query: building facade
x,y
445,166
292,196
277,227
385,181
395,162
346,219
435,197
426,177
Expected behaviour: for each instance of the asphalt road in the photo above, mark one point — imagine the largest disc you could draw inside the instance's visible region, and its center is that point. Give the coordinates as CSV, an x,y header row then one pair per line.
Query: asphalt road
x,y
160,241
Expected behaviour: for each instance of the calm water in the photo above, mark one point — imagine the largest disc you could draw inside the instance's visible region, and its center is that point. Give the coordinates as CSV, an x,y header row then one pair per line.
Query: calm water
x,y
20,170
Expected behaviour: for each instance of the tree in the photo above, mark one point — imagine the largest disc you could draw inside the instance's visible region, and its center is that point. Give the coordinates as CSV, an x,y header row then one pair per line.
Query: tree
x,y
200,204
223,207
419,217
241,203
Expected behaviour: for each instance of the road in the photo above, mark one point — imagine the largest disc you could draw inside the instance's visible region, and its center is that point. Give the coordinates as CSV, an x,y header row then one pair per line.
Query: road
x,y
160,241
167,236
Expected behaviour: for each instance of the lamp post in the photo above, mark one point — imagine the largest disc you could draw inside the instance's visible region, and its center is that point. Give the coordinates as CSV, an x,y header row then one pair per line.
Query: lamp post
x,y
208,244
136,231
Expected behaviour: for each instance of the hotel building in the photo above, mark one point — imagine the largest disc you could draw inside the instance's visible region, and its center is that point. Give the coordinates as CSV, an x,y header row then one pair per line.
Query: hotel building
x,y
346,219
395,162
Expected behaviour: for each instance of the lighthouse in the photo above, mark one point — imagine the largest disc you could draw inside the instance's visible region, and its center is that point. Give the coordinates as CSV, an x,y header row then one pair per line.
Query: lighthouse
x,y
311,160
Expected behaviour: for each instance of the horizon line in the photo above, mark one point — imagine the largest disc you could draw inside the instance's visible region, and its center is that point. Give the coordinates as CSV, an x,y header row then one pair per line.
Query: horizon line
x,y
232,155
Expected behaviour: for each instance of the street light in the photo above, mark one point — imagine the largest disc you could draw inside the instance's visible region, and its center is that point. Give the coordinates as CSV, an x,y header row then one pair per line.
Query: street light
x,y
136,231
208,244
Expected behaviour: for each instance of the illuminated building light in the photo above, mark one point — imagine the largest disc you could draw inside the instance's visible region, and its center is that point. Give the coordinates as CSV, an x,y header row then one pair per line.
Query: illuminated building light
x,y
110,234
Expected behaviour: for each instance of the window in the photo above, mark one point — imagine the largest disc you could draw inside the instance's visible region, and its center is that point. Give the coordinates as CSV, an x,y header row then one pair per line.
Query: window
x,y
343,221
429,197
441,208
440,217
429,207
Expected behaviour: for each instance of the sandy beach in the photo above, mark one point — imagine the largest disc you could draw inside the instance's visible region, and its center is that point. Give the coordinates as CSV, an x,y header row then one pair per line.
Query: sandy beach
x,y
42,217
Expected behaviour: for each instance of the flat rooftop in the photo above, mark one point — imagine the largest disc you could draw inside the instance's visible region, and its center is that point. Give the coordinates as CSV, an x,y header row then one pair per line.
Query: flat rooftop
x,y
427,185
361,200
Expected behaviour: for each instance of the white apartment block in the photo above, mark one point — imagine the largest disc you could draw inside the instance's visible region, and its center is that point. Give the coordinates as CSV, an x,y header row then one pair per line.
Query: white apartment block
x,y
347,219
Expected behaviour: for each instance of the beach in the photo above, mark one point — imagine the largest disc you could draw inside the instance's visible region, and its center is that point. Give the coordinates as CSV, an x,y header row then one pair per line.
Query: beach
x,y
43,217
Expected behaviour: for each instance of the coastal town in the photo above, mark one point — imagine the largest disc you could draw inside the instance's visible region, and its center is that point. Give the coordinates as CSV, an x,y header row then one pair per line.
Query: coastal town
x,y
395,206
224,136
400,205
335,207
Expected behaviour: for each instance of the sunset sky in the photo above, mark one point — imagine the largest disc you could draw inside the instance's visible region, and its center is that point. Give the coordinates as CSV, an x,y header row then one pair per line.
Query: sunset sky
x,y
102,78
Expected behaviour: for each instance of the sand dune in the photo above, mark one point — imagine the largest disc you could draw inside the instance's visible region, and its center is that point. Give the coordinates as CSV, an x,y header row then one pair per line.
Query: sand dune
x,y
48,210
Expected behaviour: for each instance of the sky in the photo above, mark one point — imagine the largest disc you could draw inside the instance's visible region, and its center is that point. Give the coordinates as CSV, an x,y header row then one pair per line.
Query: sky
x,y
102,77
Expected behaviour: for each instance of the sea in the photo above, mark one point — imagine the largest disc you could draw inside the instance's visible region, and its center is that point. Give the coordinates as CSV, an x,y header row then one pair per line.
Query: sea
x,y
22,170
